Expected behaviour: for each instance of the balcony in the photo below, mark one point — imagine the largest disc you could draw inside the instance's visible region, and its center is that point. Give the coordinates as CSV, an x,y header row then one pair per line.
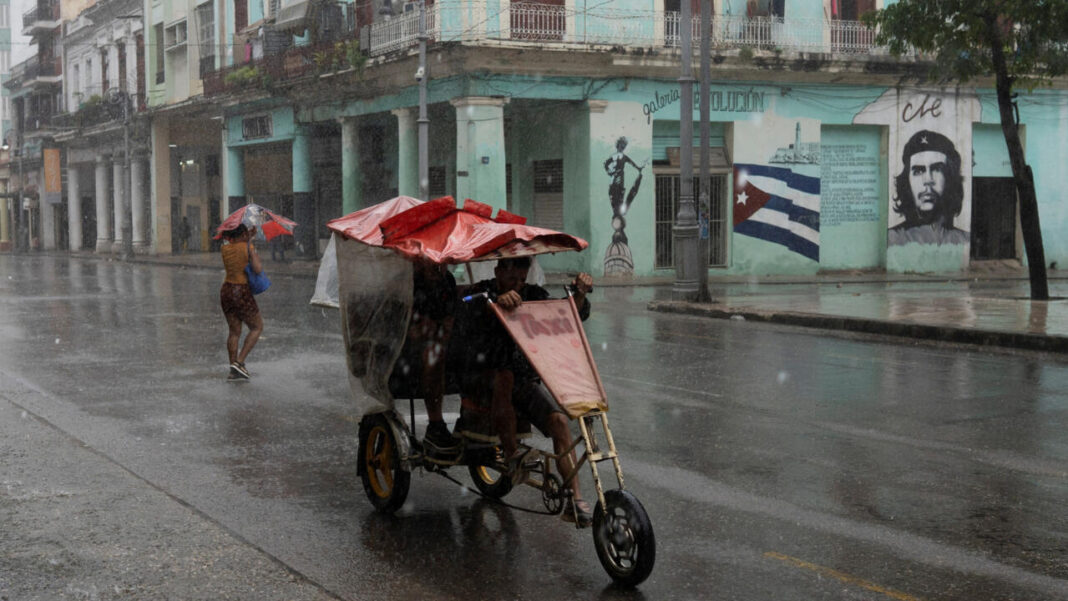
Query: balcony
x,y
43,72
606,27
44,17
295,62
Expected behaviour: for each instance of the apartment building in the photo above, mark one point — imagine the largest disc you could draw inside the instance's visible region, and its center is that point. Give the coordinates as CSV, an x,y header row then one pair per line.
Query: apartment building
x,y
568,112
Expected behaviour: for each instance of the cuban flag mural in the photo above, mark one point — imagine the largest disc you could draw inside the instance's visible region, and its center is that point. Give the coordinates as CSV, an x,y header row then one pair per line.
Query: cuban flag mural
x,y
779,206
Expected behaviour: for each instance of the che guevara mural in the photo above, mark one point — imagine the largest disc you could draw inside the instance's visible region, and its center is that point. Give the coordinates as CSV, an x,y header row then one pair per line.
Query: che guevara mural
x,y
930,162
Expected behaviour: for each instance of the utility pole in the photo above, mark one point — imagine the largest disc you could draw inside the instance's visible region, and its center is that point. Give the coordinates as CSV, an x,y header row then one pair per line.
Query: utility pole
x,y
127,187
704,209
23,242
685,229
424,122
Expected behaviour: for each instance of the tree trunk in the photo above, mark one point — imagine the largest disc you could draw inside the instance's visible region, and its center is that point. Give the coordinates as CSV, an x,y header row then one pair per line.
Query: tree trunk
x,y
1021,172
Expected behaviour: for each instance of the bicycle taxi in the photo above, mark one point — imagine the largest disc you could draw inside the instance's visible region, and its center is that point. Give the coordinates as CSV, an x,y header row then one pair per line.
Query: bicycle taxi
x,y
367,273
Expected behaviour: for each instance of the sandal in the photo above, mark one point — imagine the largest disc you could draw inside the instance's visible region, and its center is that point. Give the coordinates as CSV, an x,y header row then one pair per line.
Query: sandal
x,y
578,513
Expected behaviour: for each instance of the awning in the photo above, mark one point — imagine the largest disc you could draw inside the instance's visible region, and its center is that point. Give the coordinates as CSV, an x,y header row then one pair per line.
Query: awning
x,y
294,15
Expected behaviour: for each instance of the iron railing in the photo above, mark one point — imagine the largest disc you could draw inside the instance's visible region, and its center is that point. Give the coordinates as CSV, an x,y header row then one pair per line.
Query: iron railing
x,y
472,21
48,10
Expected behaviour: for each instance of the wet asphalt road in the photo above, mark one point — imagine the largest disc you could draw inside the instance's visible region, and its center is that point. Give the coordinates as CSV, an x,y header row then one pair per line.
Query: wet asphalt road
x,y
775,463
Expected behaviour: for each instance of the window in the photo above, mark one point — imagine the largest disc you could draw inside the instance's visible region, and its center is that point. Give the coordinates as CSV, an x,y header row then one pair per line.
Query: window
x,y
256,127
160,72
206,37
667,207
5,61
175,36
103,69
5,18
76,84
121,74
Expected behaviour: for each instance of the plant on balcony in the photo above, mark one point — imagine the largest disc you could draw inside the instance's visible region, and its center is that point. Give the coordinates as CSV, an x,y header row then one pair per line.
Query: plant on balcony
x,y
247,76
340,56
90,112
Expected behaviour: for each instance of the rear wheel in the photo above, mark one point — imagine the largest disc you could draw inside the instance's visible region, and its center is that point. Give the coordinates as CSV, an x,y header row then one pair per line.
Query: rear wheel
x,y
384,480
490,480
623,537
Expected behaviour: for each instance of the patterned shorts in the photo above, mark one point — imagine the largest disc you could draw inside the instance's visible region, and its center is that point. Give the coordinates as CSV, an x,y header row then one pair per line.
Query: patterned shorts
x,y
237,301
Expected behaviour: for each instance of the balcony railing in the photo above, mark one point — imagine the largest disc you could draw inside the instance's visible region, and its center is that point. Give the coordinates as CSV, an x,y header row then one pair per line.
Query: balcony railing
x,y
37,68
473,21
294,62
43,11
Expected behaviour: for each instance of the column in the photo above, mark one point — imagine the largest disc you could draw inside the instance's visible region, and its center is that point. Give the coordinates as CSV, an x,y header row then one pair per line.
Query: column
x,y
235,178
5,223
74,208
137,202
118,191
480,155
303,200
407,153
160,194
351,177
103,234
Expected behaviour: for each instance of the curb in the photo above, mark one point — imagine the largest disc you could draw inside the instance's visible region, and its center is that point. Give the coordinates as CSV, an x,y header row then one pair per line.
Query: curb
x,y
988,338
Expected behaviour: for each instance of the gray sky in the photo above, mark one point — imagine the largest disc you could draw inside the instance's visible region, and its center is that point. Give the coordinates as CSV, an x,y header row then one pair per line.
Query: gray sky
x,y
20,45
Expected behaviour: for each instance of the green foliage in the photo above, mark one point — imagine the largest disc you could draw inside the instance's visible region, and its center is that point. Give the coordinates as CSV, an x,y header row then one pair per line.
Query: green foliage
x,y
964,36
247,76
341,55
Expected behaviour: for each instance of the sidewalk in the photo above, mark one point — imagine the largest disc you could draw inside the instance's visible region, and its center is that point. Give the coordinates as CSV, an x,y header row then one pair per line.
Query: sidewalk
x,y
988,305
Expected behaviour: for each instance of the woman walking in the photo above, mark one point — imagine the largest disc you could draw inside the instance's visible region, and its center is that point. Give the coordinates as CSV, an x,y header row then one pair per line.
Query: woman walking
x,y
238,304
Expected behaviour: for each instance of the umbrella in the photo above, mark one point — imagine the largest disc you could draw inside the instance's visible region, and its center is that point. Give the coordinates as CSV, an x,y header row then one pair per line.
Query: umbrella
x,y
440,232
268,223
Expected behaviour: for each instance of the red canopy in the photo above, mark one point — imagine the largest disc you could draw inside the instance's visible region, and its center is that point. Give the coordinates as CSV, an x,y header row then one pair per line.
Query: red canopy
x,y
253,214
440,232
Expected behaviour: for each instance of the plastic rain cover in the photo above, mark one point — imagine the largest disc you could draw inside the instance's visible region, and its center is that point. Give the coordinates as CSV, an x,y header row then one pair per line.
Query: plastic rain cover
x,y
375,301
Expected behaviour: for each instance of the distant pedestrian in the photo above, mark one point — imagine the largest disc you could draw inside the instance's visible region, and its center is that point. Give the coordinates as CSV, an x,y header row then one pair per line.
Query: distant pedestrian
x,y
278,249
238,305
184,232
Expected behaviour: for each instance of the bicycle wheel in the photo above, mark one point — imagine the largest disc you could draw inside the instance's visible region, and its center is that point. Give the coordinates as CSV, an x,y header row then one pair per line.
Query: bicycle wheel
x,y
623,537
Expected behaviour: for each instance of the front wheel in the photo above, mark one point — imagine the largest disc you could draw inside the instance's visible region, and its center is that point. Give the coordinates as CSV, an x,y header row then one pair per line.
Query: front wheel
x,y
623,537
384,480
490,480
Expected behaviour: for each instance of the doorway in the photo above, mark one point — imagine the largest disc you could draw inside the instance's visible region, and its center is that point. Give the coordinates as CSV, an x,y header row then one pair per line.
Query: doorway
x,y
993,218
88,223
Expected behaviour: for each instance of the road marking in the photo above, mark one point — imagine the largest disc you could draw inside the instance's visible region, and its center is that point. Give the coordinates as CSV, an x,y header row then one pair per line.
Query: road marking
x,y
842,576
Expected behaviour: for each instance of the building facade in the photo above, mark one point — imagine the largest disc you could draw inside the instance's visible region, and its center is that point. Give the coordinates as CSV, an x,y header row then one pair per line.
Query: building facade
x,y
568,114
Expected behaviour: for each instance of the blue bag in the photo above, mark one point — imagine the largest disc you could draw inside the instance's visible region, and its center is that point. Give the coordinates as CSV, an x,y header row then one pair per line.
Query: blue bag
x,y
257,282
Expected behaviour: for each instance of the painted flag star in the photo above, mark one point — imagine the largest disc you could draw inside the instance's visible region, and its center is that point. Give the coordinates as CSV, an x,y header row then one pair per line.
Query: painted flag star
x,y
742,197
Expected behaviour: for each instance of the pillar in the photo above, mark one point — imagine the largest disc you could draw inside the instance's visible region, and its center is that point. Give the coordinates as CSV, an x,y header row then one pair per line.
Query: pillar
x,y
103,222
160,189
351,177
303,199
74,208
407,153
5,223
118,190
480,154
235,177
137,202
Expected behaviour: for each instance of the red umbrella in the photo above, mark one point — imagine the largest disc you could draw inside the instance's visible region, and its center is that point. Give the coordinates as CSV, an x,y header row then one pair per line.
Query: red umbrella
x,y
268,223
442,233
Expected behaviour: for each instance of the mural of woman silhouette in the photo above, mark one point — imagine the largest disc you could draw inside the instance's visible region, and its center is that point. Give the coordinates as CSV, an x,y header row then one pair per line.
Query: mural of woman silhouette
x,y
617,258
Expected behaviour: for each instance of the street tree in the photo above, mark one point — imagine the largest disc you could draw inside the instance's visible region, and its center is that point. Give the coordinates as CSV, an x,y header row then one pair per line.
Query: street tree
x,y
1022,43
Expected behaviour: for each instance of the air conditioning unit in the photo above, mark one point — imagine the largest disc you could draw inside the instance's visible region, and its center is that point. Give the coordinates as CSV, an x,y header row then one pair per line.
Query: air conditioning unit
x,y
411,6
